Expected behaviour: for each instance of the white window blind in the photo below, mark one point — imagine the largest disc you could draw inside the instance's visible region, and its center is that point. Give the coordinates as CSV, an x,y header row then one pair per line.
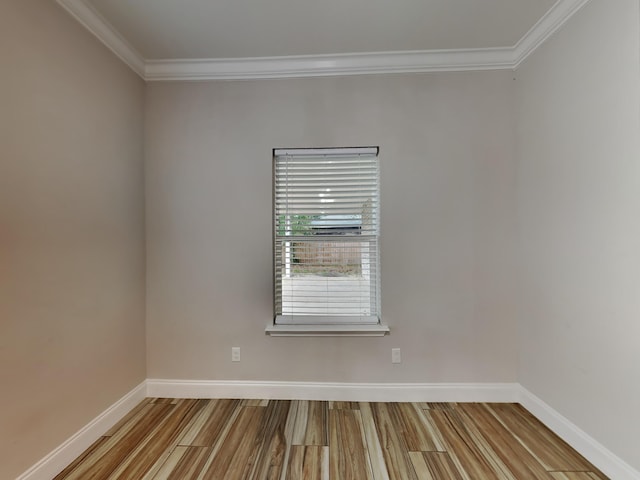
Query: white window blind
x,y
326,229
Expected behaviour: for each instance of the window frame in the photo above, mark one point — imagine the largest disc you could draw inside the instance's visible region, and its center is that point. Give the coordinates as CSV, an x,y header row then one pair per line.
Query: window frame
x,y
332,324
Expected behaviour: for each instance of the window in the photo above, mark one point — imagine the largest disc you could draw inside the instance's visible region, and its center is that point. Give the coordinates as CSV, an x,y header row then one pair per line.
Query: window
x,y
326,231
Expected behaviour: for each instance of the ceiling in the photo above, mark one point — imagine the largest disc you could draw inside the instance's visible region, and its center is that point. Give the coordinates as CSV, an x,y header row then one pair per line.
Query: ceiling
x,y
161,29
228,37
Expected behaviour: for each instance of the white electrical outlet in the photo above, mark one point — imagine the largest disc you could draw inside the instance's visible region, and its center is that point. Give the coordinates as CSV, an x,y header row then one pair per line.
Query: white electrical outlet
x,y
235,354
396,357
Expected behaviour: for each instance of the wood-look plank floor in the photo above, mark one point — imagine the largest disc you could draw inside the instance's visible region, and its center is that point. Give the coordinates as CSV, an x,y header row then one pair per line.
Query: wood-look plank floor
x,y
170,439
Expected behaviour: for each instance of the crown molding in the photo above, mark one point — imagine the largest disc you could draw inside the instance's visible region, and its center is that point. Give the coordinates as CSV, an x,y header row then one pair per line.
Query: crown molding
x,y
330,65
507,58
549,24
105,32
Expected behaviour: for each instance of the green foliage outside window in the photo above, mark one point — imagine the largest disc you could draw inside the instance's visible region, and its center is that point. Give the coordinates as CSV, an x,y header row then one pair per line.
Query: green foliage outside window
x,y
299,224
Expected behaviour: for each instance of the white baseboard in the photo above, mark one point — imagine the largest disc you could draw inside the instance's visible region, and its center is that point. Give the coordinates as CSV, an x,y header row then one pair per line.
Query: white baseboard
x,y
610,464
346,392
67,452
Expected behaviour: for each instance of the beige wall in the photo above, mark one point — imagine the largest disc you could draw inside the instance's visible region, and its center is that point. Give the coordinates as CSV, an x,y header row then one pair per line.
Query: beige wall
x,y
579,205
71,230
447,225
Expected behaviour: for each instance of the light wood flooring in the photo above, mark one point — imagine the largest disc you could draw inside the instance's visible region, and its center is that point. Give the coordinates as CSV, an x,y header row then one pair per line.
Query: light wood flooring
x,y
298,440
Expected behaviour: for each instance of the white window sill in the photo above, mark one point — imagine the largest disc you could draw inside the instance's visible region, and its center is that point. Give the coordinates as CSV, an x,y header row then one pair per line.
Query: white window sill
x,y
339,330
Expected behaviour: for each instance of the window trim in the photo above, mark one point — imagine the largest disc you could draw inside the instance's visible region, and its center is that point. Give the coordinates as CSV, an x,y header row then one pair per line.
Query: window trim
x,y
317,330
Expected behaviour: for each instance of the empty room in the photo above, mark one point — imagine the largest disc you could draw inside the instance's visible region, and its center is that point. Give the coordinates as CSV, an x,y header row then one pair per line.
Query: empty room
x,y
348,239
